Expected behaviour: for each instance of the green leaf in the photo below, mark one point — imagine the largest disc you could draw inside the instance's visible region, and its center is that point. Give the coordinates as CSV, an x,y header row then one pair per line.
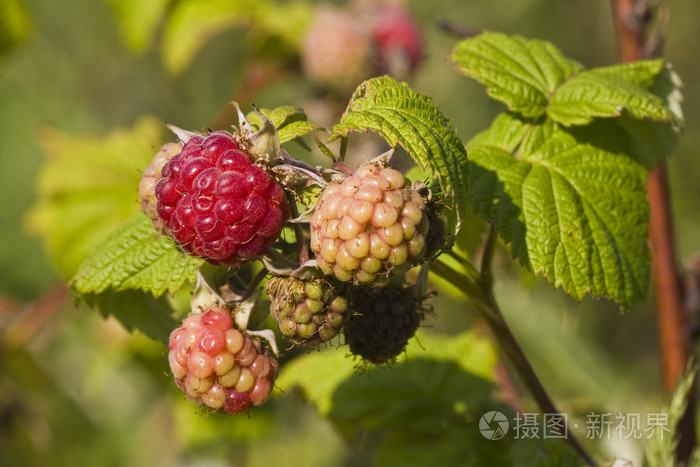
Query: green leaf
x,y
319,374
403,116
136,311
518,72
290,122
193,22
139,20
652,140
574,212
507,131
88,186
134,256
417,411
606,92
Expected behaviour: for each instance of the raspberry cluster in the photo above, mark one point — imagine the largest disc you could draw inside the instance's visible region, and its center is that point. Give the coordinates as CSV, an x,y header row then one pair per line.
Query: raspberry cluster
x,y
308,312
217,365
217,204
382,322
369,225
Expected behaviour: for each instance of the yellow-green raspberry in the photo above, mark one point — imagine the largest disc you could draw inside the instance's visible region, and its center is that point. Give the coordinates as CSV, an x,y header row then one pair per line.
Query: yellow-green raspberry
x,y
368,226
309,312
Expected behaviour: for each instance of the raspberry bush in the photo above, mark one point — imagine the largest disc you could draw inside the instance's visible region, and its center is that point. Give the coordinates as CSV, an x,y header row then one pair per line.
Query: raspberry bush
x,y
339,249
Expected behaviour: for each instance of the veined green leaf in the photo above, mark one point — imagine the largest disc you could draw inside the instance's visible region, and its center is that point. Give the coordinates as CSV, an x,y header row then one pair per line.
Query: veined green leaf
x,y
403,116
606,92
574,212
88,186
134,256
518,72
506,132
290,122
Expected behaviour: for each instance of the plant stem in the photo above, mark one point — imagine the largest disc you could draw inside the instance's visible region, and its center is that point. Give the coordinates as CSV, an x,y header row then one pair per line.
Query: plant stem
x,y
631,20
493,316
480,291
488,306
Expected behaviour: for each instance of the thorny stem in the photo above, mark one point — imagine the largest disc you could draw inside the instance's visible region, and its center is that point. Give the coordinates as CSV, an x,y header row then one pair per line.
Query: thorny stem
x,y
632,18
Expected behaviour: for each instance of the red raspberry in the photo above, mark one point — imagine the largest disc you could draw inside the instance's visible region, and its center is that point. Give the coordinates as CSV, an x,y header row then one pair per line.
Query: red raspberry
x,y
147,186
309,312
368,226
217,204
337,51
217,365
398,40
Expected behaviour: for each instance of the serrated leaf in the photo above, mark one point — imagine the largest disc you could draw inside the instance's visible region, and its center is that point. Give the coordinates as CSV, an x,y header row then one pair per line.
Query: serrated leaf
x,y
136,311
518,72
87,187
134,256
507,131
403,116
573,212
193,22
606,92
139,20
290,122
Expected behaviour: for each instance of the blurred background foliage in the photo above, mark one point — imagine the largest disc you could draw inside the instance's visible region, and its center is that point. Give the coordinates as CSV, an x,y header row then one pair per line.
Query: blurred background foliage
x,y
97,77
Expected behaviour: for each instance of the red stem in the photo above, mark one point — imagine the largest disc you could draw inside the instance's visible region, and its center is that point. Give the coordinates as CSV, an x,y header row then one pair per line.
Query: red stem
x,y
630,23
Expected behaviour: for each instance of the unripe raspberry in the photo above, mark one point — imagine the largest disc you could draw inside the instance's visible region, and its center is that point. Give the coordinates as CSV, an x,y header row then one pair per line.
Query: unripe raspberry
x,y
309,312
369,226
217,365
149,179
382,321
337,51
217,204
